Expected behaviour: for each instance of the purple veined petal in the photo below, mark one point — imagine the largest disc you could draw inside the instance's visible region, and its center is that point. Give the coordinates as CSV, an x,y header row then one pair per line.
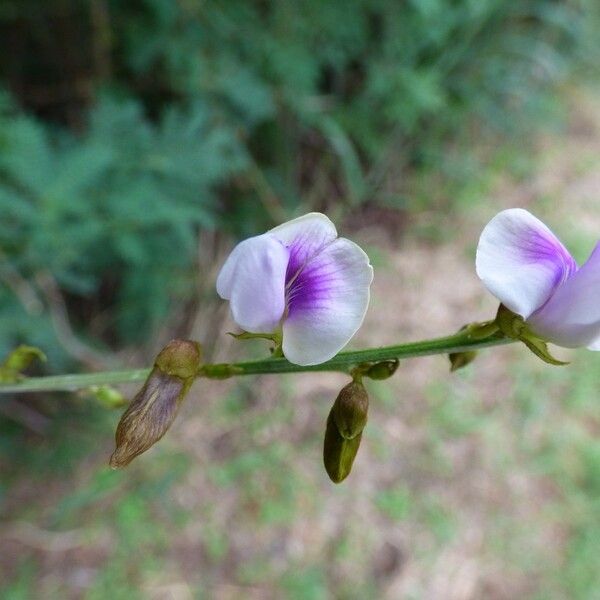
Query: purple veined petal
x,y
521,261
304,236
326,303
253,280
571,318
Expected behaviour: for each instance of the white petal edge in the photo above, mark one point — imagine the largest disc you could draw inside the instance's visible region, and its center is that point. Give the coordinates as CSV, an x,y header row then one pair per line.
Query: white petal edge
x,y
521,261
571,318
225,278
253,280
305,236
316,331
595,346
288,231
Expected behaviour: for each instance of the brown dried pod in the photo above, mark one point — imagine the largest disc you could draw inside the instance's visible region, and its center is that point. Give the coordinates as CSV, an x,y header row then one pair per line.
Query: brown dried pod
x,y
155,406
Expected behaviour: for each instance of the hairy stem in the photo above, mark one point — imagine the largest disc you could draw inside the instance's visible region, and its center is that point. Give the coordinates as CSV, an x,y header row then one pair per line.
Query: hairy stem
x,y
343,362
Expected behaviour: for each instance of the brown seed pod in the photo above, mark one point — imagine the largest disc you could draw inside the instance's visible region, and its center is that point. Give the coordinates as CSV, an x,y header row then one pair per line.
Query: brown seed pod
x,y
155,406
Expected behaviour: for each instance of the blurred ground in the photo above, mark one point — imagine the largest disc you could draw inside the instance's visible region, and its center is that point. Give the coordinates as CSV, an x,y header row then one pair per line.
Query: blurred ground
x,y
481,484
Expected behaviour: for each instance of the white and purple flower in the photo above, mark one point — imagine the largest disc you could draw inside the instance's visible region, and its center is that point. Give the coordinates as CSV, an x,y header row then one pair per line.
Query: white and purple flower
x,y
302,279
527,268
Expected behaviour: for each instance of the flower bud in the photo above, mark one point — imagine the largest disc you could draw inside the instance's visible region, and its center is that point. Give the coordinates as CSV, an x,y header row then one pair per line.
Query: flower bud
x,y
155,406
17,361
513,326
345,423
350,409
106,395
383,369
458,360
509,323
338,452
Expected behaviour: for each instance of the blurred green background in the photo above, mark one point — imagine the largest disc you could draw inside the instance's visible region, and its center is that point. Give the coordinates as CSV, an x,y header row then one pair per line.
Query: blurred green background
x,y
139,140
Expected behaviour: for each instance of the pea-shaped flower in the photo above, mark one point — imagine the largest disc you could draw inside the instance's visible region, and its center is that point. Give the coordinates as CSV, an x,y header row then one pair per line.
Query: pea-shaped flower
x,y
301,279
527,268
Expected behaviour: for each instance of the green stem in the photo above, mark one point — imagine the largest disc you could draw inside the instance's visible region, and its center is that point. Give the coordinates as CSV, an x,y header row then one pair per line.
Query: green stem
x,y
343,362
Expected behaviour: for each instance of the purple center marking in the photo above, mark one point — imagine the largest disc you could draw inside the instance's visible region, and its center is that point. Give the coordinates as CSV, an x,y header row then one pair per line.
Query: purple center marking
x,y
308,280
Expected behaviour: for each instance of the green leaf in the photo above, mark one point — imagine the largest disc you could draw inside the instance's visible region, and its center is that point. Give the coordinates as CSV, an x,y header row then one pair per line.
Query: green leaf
x,y
540,349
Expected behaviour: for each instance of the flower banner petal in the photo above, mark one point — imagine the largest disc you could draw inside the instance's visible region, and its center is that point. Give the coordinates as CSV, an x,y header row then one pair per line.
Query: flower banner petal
x,y
571,318
253,280
521,261
327,303
304,237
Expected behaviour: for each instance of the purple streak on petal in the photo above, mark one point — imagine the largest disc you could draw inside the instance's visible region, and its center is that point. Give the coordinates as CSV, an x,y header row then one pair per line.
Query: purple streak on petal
x,y
541,247
301,250
304,237
521,261
571,317
326,302
313,285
